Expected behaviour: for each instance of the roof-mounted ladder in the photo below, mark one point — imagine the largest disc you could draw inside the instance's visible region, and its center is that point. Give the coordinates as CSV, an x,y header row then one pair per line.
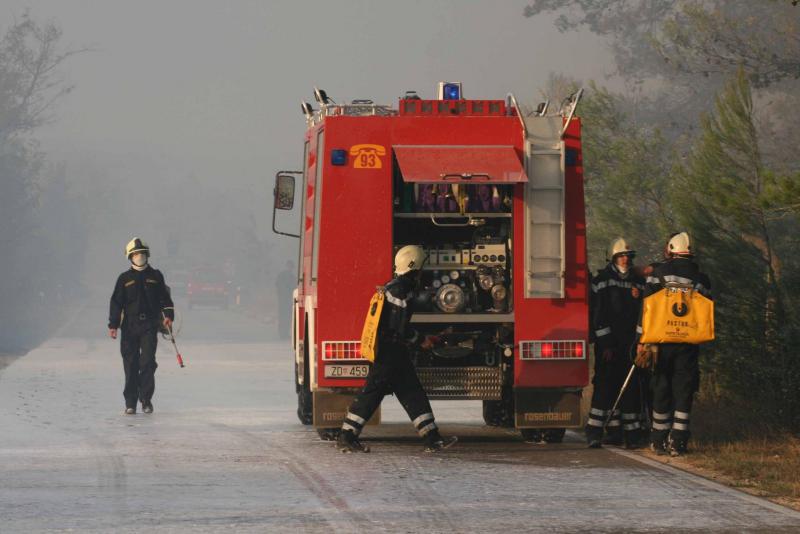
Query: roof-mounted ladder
x,y
544,206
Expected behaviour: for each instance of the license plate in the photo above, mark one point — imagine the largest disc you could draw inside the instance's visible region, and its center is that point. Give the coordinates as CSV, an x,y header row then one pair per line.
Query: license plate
x,y
346,371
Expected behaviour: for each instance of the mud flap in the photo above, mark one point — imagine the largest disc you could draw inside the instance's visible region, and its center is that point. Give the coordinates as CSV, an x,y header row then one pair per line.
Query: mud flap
x,y
330,409
547,408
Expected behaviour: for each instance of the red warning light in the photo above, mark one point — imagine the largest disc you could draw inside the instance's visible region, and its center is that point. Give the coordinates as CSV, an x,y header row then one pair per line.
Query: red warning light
x,y
547,350
577,350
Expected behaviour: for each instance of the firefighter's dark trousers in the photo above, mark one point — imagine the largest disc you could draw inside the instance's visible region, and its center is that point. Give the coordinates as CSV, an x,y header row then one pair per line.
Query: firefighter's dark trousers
x,y
675,380
139,361
392,372
608,380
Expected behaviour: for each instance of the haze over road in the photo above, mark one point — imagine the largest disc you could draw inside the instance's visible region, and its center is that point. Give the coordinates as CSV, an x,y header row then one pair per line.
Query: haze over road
x,y
224,449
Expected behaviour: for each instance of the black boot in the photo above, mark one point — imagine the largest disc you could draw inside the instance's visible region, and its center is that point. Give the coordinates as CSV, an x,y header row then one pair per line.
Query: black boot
x,y
613,437
634,439
658,442
348,442
594,436
678,445
434,442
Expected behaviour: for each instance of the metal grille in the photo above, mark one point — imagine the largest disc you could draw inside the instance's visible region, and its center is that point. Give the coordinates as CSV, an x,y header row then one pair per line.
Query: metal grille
x,y
482,383
341,350
552,350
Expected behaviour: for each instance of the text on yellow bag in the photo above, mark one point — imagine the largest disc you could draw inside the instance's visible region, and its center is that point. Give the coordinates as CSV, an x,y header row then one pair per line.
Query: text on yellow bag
x,y
677,315
369,334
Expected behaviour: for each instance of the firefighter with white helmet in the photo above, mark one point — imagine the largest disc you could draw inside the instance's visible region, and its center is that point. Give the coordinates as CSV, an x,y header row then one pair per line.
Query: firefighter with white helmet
x,y
139,305
676,372
393,371
615,305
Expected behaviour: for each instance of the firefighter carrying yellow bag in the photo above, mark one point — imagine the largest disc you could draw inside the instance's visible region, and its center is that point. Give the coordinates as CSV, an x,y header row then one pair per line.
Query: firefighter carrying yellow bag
x,y
369,335
677,314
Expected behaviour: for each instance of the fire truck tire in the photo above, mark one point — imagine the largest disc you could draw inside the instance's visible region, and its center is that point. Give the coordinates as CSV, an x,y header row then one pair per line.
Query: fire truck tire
x,y
498,413
554,435
329,434
531,435
305,400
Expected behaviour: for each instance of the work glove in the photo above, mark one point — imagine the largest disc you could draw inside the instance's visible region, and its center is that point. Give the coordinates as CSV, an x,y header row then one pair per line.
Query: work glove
x,y
646,355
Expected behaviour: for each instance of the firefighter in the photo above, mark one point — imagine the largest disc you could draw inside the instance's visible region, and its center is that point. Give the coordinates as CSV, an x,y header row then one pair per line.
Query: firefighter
x,y
393,371
139,305
676,373
616,300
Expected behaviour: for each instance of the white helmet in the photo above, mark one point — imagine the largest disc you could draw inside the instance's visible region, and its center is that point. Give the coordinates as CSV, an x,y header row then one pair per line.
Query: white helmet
x,y
136,245
619,246
408,258
680,244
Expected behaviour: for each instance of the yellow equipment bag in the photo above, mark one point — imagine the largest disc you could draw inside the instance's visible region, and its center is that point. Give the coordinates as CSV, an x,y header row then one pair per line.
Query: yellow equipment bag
x,y
369,335
677,314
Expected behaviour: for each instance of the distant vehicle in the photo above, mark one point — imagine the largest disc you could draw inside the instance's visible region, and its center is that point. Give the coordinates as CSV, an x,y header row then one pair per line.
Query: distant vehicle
x,y
207,287
179,281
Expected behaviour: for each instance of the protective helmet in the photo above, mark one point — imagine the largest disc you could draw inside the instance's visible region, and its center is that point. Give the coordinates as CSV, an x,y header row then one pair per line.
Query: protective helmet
x,y
680,245
136,245
408,258
618,247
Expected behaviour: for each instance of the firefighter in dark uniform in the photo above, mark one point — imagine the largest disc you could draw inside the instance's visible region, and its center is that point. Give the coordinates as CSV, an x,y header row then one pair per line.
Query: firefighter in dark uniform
x,y
139,305
616,300
676,373
393,371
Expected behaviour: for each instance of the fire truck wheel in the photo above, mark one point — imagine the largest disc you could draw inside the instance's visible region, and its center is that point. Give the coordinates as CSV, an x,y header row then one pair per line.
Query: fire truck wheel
x,y
498,413
531,435
329,434
305,400
554,435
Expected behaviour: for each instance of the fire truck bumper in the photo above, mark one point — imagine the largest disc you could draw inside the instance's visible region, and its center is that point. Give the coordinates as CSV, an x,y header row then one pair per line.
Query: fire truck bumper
x,y
330,408
547,407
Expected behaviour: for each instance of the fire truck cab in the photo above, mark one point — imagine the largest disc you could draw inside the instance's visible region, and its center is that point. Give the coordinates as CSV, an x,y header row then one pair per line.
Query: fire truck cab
x,y
494,195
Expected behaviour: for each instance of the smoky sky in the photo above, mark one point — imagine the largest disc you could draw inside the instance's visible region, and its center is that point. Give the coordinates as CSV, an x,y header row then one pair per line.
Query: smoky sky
x,y
211,90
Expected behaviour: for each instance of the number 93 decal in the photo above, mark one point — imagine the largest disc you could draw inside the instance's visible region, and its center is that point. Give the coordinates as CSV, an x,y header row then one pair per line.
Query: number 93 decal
x,y
367,156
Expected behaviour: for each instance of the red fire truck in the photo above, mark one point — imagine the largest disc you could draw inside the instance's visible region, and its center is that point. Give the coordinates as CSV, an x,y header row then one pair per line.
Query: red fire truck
x,y
494,195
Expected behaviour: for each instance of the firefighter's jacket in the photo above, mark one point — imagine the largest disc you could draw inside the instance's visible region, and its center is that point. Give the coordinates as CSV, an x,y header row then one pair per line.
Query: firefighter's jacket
x,y
139,299
394,325
680,270
615,303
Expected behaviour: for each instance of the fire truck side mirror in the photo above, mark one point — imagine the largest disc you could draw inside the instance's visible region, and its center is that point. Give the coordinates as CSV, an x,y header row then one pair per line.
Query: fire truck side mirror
x,y
284,192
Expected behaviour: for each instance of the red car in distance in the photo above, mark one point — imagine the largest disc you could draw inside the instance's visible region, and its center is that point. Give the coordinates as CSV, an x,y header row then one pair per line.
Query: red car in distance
x,y
208,287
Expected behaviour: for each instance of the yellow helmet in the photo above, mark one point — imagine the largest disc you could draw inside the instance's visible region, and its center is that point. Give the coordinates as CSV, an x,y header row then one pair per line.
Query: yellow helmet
x,y
619,246
680,244
409,258
136,245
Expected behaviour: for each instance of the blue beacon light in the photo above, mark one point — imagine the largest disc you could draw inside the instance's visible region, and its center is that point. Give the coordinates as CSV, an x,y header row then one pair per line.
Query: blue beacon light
x,y
452,91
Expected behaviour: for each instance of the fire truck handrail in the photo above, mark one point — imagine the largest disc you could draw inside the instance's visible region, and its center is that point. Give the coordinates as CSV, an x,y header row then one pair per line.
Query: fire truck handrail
x,y
471,221
359,109
513,99
575,101
427,215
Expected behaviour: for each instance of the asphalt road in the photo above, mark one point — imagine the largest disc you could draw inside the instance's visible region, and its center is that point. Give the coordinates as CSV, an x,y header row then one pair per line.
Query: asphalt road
x,y
224,450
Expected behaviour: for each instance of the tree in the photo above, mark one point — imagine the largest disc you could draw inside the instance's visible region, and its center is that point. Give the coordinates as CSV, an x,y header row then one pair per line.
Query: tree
x,y
726,197
30,85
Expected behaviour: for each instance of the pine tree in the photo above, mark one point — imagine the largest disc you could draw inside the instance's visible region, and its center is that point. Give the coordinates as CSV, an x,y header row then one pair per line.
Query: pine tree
x,y
725,198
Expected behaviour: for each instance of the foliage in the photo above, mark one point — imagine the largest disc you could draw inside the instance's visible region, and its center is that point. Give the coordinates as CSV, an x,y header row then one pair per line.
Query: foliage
x,y
30,84
726,197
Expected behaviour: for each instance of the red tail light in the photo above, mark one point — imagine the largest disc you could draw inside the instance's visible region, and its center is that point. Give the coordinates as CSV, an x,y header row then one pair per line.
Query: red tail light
x,y
342,350
552,350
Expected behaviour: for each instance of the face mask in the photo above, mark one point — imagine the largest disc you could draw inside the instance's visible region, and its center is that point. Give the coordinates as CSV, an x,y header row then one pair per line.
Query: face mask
x,y
139,260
